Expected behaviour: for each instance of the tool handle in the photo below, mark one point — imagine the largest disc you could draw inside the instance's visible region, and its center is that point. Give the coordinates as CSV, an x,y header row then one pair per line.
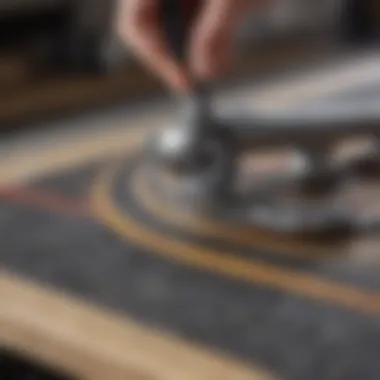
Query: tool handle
x,y
177,17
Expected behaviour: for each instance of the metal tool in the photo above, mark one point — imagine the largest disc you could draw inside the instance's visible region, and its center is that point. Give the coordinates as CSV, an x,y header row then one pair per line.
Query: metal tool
x,y
178,147
193,149
202,152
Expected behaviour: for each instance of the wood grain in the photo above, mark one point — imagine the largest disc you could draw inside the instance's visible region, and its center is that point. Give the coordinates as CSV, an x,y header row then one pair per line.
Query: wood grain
x,y
97,344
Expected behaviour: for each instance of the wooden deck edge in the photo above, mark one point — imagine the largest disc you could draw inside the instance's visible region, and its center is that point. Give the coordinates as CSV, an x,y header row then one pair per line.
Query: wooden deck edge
x,y
96,344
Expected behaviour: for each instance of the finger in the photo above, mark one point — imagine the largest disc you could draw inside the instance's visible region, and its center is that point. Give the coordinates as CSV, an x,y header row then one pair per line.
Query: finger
x,y
212,41
139,27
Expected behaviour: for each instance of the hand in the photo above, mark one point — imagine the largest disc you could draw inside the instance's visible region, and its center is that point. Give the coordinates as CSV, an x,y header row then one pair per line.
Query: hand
x,y
210,46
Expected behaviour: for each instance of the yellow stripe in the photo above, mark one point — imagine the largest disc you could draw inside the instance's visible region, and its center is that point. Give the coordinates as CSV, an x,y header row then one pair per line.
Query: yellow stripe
x,y
252,271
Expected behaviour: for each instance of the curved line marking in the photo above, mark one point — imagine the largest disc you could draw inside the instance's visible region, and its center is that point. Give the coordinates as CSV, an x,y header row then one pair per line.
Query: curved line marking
x,y
251,237
252,271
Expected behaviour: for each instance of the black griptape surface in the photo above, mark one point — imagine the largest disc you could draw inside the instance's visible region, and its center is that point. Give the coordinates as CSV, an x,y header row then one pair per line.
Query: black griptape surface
x,y
295,337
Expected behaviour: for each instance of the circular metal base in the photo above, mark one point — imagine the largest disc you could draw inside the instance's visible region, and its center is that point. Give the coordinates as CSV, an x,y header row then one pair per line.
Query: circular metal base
x,y
274,202
288,214
306,196
299,217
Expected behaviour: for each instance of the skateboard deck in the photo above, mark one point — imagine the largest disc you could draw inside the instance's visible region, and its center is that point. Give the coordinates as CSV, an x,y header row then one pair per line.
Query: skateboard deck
x,y
99,279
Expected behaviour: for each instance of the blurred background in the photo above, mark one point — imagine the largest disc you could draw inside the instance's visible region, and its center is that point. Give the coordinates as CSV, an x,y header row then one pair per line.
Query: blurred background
x,y
59,55
62,57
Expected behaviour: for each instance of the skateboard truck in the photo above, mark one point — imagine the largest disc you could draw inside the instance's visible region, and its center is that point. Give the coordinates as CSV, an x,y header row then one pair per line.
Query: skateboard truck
x,y
202,154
